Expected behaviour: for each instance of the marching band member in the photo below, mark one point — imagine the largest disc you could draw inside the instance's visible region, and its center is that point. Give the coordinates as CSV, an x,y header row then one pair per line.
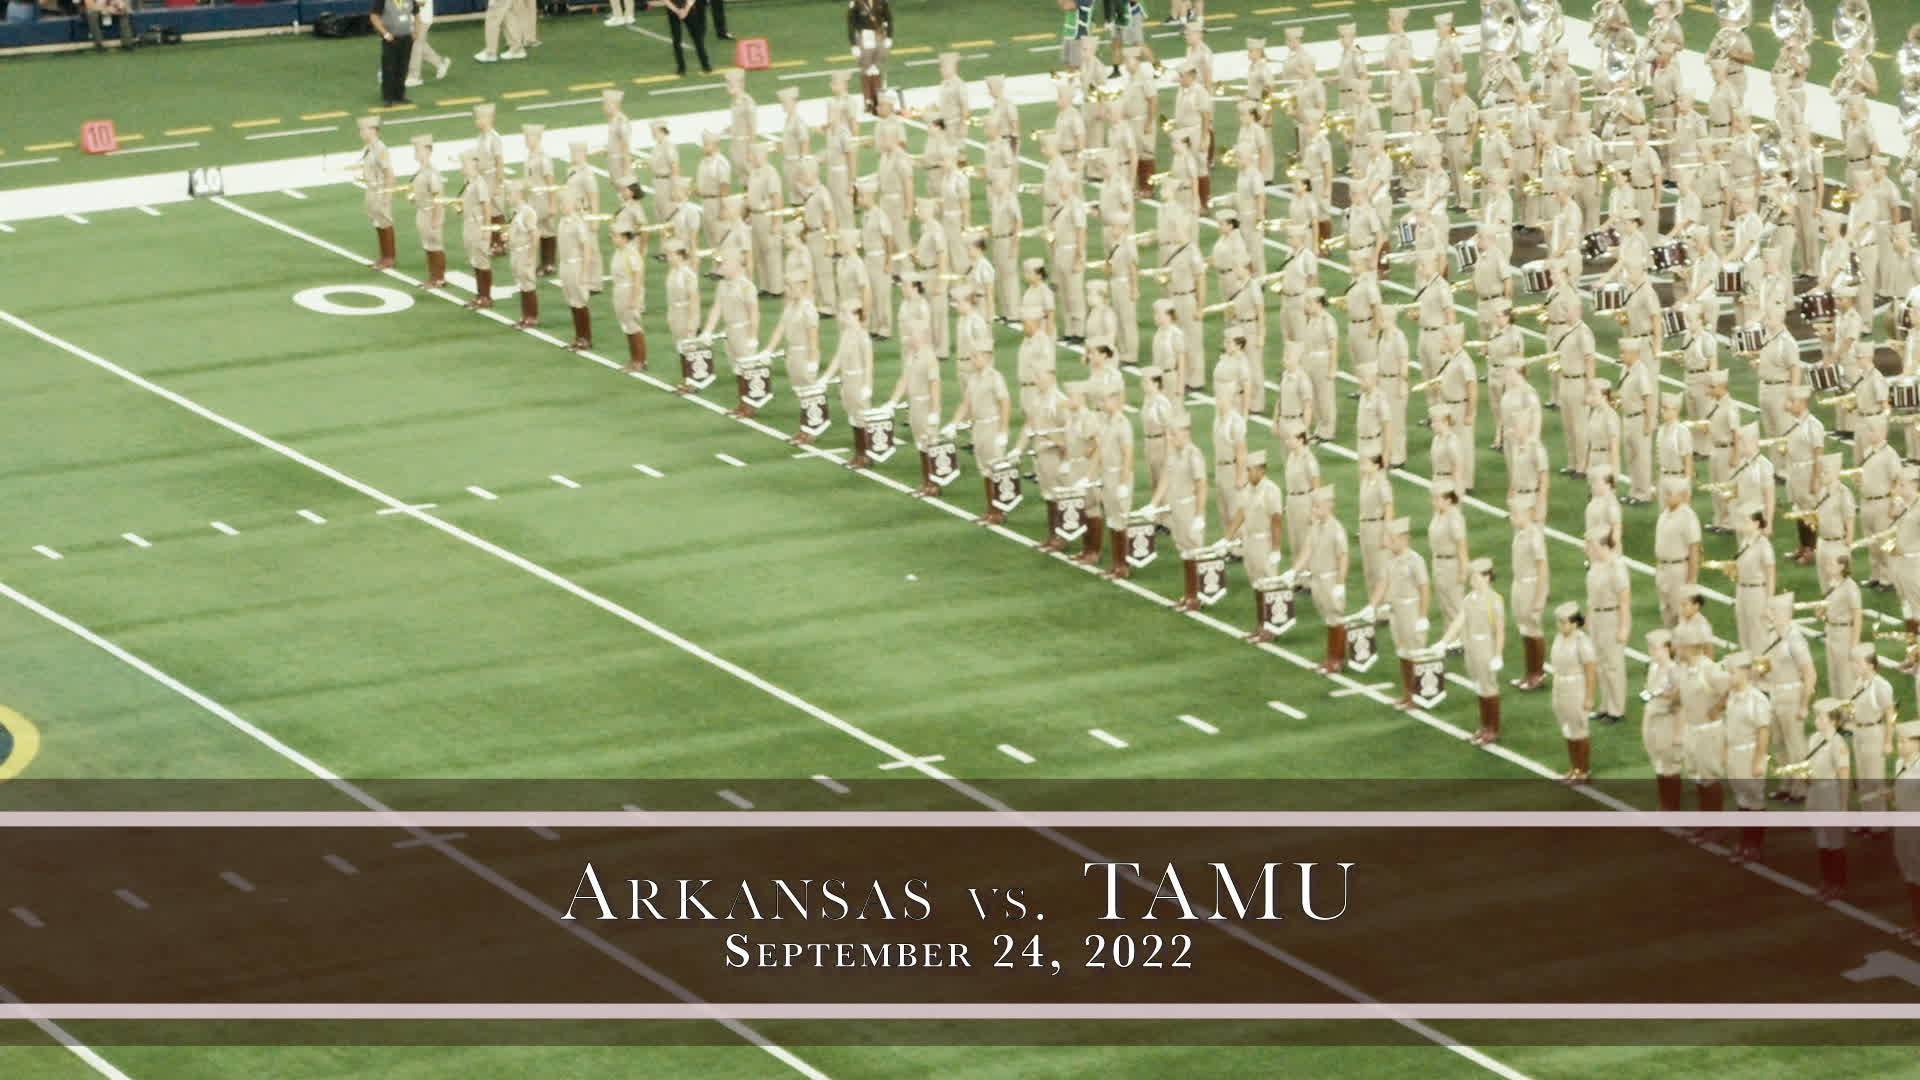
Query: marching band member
x,y
712,178
428,192
879,247
571,242
931,257
1403,594
1036,355
1827,769
798,328
1869,724
1043,430
1003,231
1067,230
377,175
1720,425
1880,472
850,281
1447,541
476,204
523,258
1575,680
1834,515
1674,442
1845,616
1661,733
1258,522
1603,432
1320,339
1638,401
683,299
1753,477
1113,448
1479,626
1805,437
1529,471
1702,686
736,304
1322,557
1906,562
984,403
1754,574
1531,577
1676,549
765,199
1376,509
1229,450
919,383
1749,717
1157,412
630,296
1787,675
1183,490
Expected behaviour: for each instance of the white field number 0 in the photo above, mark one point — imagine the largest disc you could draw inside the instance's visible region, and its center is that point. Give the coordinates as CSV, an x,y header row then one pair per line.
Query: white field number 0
x,y
321,299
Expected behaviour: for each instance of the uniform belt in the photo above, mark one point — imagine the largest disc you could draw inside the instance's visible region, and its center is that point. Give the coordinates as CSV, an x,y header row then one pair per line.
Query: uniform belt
x,y
1526,491
1156,435
1444,555
1753,584
1605,610
1673,562
1875,498
1722,445
1643,187
1833,539
1707,724
1633,415
1189,292
1489,299
1773,382
1372,520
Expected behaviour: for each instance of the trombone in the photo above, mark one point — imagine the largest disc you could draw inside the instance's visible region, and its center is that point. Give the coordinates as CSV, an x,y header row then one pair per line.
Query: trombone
x,y
1725,566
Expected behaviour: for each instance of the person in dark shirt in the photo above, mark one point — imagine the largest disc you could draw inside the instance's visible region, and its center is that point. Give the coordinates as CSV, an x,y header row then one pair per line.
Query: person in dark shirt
x,y
691,14
870,33
393,21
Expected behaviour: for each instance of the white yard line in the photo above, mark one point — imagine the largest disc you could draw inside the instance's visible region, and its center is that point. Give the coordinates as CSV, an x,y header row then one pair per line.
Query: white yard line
x,y
149,211
154,149
538,105
563,481
1199,725
830,784
132,899
33,921
50,160
480,491
1016,753
224,529
48,552
76,219
313,517
294,193
294,131
237,881
340,864
735,798
731,460
1108,737
136,540
65,1038
1283,707
651,471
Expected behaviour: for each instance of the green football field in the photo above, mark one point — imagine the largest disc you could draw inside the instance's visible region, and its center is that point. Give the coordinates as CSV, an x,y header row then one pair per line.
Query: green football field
x,y
255,541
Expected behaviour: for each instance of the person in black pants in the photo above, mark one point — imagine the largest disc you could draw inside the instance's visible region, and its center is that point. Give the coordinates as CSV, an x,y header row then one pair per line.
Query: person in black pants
x,y
393,21
720,20
691,14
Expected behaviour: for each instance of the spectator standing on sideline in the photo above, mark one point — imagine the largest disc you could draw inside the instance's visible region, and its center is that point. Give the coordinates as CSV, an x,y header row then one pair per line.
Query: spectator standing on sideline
x,y
106,9
692,16
393,21
527,14
870,32
720,19
503,15
619,13
423,51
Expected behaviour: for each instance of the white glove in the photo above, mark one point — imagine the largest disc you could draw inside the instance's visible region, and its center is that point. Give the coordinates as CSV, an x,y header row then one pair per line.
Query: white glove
x,y
1365,614
1339,597
1124,491
887,43
1494,665
1421,626
1199,524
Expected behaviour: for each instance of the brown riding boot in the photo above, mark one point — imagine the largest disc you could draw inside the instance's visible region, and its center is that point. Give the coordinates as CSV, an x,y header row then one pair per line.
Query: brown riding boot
x,y
582,330
1119,571
388,249
1833,873
1191,601
1753,839
1805,553
1053,541
1713,797
1143,178
499,230
529,310
927,485
993,515
1669,790
482,290
1336,650
1535,650
637,351
549,255
859,459
1090,546
1260,632
1406,686
436,270
1206,192
870,91
1489,721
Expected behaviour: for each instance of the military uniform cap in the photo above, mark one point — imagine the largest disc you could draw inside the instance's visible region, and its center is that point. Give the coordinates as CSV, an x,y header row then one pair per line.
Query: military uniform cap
x,y
1257,459
1567,610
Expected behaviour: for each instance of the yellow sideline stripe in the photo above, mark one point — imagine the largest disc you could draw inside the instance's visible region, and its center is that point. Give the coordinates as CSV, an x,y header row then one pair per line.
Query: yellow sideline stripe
x,y
577,87
911,49
36,147
393,108
973,44
131,138
1032,37
513,94
460,101
201,130
645,79
334,115
787,63
266,121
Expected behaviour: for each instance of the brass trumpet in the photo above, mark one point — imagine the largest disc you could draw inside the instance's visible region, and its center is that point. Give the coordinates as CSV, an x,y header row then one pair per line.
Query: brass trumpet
x,y
1725,566
1883,539
1851,474
1801,515
1817,607
1530,309
1769,444
1842,198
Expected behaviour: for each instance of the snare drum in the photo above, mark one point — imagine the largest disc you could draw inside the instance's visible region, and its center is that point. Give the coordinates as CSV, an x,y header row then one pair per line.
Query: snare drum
x,y
1749,339
1817,306
1611,296
1902,317
1904,394
1595,244
1670,256
1733,279
1534,276
1405,230
1465,254
1672,323
1824,377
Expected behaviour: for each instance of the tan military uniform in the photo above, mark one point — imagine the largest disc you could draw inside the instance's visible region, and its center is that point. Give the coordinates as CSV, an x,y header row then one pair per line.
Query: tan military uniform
x,y
1568,660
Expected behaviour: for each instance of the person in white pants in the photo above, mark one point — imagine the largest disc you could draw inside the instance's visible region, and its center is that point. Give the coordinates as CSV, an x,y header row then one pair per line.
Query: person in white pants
x,y
501,14
422,22
619,13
